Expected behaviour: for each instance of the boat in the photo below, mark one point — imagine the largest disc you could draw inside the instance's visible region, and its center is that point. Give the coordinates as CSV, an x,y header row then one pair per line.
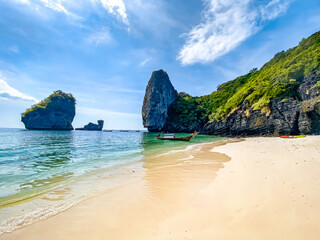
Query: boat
x,y
137,130
107,130
174,137
124,130
286,136
300,136
293,136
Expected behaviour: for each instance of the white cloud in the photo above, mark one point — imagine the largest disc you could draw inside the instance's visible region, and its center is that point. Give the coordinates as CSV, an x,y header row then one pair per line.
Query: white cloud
x,y
115,7
102,37
273,9
144,62
226,24
7,92
55,5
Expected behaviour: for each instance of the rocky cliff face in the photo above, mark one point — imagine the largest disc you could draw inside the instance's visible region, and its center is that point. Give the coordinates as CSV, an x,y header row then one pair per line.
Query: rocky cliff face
x,y
288,116
299,114
282,119
309,92
160,94
54,113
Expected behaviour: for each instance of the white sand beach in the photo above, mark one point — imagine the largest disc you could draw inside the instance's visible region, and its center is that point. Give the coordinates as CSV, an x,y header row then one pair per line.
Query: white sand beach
x,y
258,188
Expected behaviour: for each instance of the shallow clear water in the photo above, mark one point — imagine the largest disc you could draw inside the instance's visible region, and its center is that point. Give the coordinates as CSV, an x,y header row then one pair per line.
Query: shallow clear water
x,y
46,172
35,161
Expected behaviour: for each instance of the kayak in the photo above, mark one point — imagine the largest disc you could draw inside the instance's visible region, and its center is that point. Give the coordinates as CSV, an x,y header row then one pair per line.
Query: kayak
x,y
291,136
286,136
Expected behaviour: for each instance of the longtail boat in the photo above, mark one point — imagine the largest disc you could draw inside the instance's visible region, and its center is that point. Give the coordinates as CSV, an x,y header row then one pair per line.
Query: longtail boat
x,y
174,137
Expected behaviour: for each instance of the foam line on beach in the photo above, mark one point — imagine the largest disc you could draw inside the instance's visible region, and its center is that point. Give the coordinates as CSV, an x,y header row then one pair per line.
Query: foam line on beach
x,y
189,148
14,223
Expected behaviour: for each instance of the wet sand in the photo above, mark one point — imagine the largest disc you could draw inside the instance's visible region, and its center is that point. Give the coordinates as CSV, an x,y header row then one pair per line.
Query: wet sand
x,y
259,188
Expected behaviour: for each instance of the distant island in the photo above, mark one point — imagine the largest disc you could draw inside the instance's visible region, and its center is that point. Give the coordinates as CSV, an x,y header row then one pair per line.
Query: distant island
x,y
56,112
93,127
283,97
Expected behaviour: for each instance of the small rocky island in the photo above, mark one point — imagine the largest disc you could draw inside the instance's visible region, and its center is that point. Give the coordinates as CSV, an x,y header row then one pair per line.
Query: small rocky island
x,y
56,112
92,126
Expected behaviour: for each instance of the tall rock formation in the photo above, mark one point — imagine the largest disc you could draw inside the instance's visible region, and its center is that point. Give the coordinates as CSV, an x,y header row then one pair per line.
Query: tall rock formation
x,y
53,113
160,94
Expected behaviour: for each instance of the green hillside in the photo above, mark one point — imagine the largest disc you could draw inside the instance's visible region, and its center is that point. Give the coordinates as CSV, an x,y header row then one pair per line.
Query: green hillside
x,y
280,77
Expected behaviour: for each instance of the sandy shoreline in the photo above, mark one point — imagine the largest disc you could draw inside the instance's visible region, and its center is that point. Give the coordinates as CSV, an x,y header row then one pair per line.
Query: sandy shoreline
x,y
260,188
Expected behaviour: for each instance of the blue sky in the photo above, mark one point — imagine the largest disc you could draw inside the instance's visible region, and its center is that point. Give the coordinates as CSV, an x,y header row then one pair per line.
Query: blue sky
x,y
104,51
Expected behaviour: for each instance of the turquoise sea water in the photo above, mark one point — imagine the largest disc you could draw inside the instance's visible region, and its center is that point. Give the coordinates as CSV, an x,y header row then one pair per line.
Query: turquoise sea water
x,y
34,162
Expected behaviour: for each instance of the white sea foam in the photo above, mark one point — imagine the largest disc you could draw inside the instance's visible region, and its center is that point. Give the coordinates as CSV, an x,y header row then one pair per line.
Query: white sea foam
x,y
13,223
188,148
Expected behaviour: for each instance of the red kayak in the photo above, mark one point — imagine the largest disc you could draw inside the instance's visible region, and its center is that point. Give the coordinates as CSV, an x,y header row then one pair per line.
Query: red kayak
x,y
286,136
295,136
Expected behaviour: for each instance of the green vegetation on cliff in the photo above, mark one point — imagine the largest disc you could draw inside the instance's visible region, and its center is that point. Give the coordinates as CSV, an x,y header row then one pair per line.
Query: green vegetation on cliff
x,y
280,77
44,103
187,111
